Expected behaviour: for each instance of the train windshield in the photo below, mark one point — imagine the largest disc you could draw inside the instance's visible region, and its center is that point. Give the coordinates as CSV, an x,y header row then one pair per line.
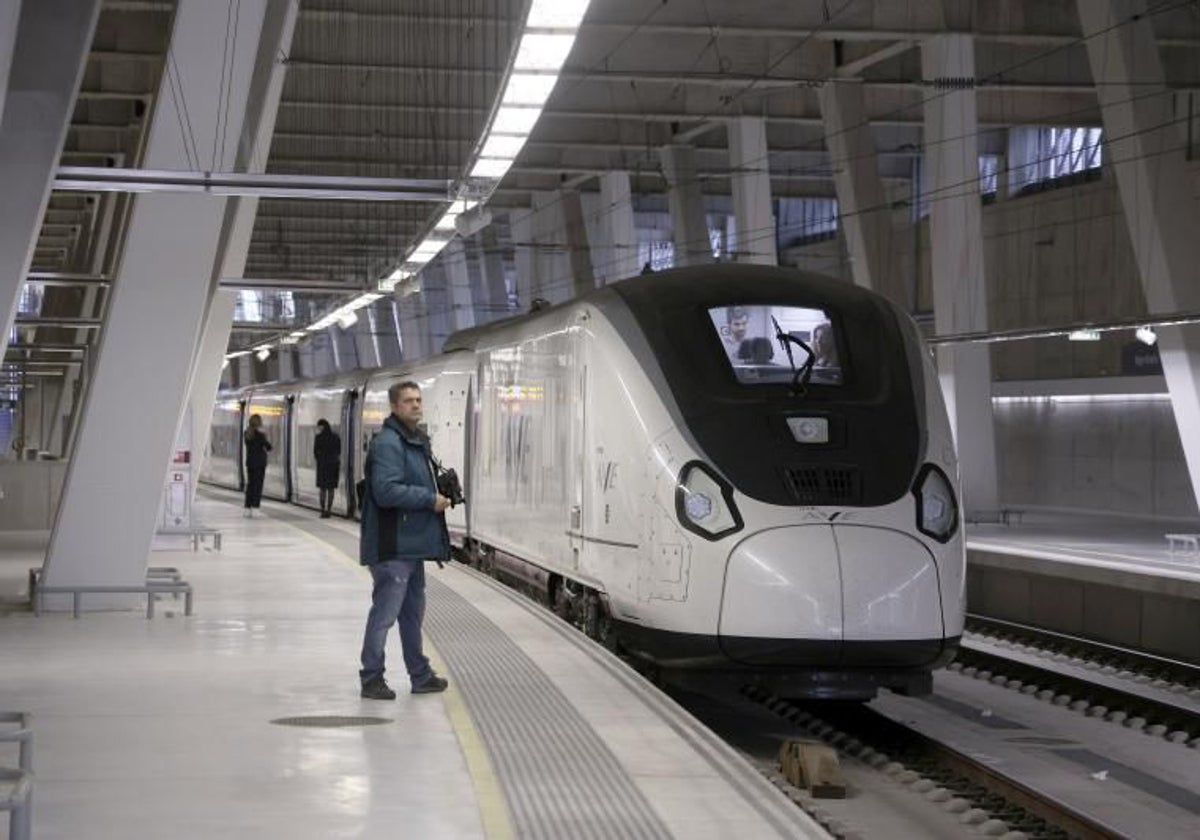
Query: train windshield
x,y
755,338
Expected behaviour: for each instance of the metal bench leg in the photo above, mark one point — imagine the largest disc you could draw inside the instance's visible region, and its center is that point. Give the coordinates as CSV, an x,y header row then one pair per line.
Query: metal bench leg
x,y
77,602
151,597
20,821
187,602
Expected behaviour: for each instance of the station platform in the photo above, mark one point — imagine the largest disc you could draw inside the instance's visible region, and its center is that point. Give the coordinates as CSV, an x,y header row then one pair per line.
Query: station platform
x,y
1112,579
244,720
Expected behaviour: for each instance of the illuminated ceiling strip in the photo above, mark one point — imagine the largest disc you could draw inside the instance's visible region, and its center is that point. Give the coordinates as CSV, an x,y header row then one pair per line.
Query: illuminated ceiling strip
x,y
1171,320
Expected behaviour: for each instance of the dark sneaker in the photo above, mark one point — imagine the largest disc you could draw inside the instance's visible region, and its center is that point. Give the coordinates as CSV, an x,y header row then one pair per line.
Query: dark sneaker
x,y
377,689
432,685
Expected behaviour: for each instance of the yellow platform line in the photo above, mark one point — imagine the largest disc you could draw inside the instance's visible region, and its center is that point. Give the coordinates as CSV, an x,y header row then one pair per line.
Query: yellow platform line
x,y
493,810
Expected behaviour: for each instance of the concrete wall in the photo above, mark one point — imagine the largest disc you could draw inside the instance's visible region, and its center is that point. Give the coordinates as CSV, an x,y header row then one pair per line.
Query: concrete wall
x,y
31,492
1052,258
1107,456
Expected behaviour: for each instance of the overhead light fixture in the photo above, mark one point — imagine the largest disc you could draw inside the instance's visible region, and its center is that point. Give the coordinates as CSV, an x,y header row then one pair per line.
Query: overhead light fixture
x,y
263,354
530,89
515,119
556,14
1084,335
473,221
503,146
347,320
1146,336
542,51
491,167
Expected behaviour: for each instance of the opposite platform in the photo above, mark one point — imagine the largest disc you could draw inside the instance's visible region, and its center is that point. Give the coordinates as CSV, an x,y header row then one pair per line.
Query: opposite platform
x,y
145,728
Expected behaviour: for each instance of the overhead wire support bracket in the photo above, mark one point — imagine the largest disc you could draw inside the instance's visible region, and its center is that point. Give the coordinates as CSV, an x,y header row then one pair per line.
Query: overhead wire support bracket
x,y
104,179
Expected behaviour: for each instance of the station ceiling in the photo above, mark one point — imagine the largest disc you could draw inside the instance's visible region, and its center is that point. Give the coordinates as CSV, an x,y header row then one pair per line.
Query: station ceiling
x,y
379,88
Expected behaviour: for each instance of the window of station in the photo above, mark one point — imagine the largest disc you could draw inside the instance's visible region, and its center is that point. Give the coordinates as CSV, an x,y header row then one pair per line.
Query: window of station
x,y
755,344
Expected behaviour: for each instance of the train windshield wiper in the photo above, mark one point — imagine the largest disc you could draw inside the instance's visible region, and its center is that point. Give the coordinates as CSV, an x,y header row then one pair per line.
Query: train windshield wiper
x,y
800,375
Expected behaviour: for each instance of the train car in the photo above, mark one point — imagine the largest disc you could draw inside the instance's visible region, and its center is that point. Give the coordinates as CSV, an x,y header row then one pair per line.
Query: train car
x,y
737,474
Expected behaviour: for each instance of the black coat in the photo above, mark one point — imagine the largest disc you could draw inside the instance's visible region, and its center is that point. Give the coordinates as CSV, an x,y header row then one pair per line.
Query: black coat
x,y
257,447
327,450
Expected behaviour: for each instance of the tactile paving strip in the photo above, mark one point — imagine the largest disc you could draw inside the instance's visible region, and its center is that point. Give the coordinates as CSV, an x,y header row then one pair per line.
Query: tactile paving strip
x,y
559,778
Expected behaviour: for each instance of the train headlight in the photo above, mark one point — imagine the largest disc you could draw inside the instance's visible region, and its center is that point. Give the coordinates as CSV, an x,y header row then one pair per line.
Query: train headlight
x,y
704,502
937,507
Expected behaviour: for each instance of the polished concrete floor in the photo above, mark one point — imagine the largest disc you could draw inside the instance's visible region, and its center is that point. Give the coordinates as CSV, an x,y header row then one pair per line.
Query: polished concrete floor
x,y
166,727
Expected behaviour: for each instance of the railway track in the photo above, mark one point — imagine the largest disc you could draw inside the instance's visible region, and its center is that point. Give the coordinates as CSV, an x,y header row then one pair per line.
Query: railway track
x,y
995,803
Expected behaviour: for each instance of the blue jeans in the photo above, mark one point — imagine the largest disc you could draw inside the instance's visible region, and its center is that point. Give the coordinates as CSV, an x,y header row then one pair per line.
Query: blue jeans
x,y
398,598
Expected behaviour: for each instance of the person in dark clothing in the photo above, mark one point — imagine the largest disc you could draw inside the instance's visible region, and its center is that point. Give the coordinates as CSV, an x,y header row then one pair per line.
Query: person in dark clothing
x,y
403,525
257,447
327,452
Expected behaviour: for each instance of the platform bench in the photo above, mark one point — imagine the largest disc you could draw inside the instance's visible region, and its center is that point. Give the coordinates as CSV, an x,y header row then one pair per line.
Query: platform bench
x,y
1186,544
16,784
197,534
160,580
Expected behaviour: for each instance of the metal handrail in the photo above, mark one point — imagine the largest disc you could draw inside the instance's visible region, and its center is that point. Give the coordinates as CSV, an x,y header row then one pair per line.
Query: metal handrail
x,y
18,798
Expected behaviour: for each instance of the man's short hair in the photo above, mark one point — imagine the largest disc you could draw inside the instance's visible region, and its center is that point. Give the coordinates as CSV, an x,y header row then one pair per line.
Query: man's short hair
x,y
735,313
406,385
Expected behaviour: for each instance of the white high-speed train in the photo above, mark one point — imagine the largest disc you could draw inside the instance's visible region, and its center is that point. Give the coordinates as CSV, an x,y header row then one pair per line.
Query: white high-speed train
x,y
732,472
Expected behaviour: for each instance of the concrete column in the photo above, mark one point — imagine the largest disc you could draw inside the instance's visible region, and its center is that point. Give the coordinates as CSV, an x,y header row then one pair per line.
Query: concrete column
x,y
689,224
206,378
520,222
956,233
551,267
169,272
1147,146
620,257
414,327
579,253
459,299
864,216
492,265
750,183
10,18
44,65
363,336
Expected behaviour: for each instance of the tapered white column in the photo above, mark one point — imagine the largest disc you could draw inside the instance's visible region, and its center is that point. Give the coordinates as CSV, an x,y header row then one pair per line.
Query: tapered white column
x,y
169,272
956,232
491,264
750,183
1146,146
44,61
619,258
688,220
579,252
458,286
863,215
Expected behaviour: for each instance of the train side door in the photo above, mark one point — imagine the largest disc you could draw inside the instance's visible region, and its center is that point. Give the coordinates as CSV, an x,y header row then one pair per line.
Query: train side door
x,y
349,435
578,448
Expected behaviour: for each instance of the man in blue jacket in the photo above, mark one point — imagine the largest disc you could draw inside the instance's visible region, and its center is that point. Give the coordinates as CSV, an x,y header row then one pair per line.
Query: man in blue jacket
x,y
402,527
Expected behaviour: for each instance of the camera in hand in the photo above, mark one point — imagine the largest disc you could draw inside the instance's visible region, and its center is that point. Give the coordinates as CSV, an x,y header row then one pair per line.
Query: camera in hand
x,y
449,486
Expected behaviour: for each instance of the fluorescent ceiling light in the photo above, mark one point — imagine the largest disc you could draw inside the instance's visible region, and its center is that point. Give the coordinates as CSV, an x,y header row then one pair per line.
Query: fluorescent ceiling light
x,y
502,146
446,223
297,334
263,354
1146,336
491,167
1084,335
428,248
543,52
556,14
529,88
514,119
347,320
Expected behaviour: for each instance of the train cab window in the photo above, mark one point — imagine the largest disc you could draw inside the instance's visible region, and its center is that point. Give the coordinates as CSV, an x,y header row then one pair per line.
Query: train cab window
x,y
757,339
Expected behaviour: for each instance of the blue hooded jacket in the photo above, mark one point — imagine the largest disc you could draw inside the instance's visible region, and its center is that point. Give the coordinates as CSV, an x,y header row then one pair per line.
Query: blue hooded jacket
x,y
398,520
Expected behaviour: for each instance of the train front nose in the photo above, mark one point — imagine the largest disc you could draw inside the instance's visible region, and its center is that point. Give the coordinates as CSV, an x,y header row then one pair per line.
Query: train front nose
x,y
819,595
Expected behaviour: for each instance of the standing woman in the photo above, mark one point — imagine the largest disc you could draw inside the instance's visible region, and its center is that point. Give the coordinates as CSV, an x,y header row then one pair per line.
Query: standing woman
x,y
327,451
257,447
